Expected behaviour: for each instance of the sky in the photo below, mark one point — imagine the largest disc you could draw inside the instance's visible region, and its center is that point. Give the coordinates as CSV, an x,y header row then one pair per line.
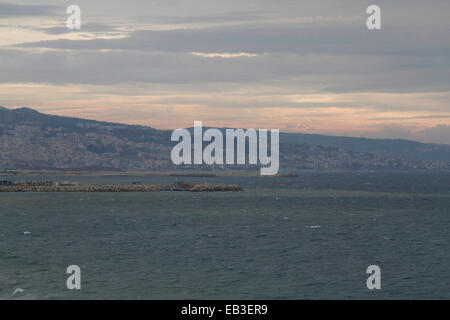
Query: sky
x,y
297,66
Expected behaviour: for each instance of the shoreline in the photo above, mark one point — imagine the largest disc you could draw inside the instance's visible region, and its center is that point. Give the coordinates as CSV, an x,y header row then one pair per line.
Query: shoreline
x,y
195,174
137,173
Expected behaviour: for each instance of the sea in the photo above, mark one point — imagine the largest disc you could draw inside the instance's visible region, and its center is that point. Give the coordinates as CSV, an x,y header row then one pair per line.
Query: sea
x,y
312,236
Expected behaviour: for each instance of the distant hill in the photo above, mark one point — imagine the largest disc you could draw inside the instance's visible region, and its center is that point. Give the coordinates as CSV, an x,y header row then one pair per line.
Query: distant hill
x,y
406,149
32,140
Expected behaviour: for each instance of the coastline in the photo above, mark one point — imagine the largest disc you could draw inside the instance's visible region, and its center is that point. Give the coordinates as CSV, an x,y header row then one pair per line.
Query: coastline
x,y
187,173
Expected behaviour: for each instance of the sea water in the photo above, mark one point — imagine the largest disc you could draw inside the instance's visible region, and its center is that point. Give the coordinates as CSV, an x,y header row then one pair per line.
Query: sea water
x,y
306,237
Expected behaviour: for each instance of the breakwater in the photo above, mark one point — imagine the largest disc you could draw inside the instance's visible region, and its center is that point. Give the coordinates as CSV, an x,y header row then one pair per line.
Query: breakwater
x,y
116,188
209,187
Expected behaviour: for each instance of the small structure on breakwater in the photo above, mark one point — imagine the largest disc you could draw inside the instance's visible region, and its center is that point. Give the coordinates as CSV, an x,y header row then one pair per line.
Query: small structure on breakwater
x,y
181,186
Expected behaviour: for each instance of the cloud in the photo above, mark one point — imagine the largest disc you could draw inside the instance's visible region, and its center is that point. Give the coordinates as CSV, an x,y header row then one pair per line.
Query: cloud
x,y
296,64
435,134
299,73
223,55
439,116
345,59
86,27
272,38
10,10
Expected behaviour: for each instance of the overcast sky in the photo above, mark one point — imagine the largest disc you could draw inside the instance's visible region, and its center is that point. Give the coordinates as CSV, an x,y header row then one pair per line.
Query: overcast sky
x,y
300,66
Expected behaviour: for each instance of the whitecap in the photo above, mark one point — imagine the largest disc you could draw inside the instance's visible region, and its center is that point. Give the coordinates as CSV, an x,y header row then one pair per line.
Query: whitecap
x,y
18,292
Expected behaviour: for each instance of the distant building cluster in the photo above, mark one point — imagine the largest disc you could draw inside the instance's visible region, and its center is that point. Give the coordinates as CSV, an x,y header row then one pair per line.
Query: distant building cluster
x,y
120,147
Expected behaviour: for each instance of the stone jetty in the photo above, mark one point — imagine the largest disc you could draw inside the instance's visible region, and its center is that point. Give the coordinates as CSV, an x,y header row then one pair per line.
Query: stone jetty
x,y
214,187
114,188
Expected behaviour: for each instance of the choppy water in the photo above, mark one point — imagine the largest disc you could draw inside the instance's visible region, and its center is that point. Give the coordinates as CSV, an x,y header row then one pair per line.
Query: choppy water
x,y
308,237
